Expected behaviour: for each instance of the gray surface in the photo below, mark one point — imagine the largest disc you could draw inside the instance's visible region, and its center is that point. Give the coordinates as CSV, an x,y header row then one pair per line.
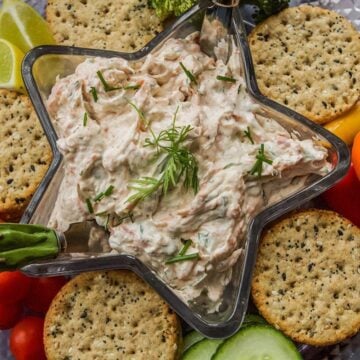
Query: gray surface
x,y
349,350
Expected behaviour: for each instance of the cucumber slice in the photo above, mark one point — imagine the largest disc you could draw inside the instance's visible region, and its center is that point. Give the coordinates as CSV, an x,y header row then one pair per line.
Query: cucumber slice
x,y
257,342
203,350
192,338
253,319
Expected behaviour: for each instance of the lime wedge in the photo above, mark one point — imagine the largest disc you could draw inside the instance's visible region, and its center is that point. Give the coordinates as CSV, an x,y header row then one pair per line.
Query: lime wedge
x,y
23,26
10,67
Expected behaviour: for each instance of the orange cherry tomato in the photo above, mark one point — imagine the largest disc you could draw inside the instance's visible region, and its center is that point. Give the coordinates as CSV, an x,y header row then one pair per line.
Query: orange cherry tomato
x,y
355,154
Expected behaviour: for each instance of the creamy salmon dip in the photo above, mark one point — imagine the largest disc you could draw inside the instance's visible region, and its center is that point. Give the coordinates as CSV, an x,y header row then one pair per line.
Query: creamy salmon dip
x,y
104,126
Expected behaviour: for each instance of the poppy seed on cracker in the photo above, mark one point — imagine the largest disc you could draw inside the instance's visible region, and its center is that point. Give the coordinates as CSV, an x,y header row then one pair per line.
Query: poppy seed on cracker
x,y
110,315
98,24
308,59
307,277
25,154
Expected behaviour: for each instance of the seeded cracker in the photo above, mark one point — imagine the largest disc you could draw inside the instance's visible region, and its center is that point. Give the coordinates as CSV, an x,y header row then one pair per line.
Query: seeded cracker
x,y
25,154
307,277
113,25
307,58
110,315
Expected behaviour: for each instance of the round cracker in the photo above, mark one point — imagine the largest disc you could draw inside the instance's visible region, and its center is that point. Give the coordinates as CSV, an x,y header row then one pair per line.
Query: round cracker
x,y
307,277
25,154
307,58
113,25
110,315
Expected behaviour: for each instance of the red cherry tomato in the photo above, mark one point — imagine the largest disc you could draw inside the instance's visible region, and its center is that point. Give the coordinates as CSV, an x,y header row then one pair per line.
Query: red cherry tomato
x,y
42,292
355,154
344,197
10,314
14,286
26,339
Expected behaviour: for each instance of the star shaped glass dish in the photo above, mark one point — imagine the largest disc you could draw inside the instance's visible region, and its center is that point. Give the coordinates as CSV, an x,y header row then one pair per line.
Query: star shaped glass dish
x,y
40,69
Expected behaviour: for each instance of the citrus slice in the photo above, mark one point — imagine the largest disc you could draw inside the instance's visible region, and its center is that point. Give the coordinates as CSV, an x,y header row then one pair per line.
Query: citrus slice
x,y
10,67
23,26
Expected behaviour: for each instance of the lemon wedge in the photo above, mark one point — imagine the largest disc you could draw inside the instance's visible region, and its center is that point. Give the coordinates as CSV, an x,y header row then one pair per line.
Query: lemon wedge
x,y
10,67
23,26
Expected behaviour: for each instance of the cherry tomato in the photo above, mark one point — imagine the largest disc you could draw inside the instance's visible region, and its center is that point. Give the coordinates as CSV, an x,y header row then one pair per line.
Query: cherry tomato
x,y
14,286
344,197
26,339
42,292
355,154
10,314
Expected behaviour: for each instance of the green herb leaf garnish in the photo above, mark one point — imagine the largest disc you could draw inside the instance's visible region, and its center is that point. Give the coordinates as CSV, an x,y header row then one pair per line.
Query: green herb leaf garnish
x,y
247,133
105,193
181,256
89,206
189,74
85,119
106,86
178,163
260,160
132,87
226,78
94,94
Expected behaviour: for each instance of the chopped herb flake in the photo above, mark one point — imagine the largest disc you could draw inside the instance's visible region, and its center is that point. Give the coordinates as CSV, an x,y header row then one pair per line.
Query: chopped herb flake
x,y
260,159
89,206
94,94
107,192
132,87
247,133
185,247
179,258
85,119
226,78
106,86
188,74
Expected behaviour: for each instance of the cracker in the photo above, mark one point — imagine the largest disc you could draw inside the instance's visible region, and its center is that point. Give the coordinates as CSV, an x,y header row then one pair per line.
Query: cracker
x,y
110,315
113,25
25,154
307,58
307,277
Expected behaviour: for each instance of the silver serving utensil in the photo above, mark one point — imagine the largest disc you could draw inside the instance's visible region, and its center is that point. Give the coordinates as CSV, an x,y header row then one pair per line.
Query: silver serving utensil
x,y
216,28
21,244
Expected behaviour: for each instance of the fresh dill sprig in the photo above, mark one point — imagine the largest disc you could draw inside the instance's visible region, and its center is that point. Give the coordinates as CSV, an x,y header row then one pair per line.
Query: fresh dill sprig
x,y
260,160
247,133
94,94
189,74
179,163
226,78
85,119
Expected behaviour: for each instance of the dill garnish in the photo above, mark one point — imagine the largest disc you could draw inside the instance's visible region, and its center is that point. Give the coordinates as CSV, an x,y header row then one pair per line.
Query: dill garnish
x,y
247,133
94,94
189,74
178,163
225,78
260,160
